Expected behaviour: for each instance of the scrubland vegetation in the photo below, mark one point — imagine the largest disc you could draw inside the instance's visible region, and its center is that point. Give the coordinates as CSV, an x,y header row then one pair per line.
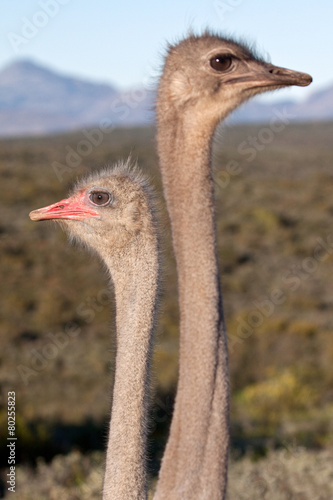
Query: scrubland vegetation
x,y
275,246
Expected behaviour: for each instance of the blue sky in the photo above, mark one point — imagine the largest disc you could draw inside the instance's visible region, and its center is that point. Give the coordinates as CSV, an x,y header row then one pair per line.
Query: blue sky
x,y
123,42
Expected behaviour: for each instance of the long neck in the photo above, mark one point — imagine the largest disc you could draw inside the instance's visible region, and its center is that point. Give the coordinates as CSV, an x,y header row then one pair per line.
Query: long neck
x,y
135,280
195,461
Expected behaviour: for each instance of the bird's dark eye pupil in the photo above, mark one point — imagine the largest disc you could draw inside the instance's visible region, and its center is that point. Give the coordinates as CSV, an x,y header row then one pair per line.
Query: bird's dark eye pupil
x,y
100,198
221,62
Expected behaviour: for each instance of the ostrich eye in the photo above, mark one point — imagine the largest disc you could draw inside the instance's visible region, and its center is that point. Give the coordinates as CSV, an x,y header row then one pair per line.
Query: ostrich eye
x,y
100,198
221,62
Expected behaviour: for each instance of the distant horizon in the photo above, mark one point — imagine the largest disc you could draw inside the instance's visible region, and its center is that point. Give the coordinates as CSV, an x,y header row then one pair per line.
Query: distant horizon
x,y
267,98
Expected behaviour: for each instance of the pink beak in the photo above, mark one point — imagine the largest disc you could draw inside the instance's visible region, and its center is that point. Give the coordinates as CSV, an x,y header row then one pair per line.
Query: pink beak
x,y
71,208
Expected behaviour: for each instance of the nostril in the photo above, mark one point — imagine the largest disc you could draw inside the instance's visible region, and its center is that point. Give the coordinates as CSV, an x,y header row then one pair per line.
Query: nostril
x,y
61,206
274,70
278,71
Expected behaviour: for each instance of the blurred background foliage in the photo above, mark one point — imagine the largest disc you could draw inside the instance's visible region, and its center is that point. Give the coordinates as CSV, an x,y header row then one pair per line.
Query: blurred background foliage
x,y
275,247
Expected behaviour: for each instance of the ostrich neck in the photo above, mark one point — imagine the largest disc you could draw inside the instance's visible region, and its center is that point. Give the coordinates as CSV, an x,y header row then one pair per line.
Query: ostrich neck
x,y
135,278
195,461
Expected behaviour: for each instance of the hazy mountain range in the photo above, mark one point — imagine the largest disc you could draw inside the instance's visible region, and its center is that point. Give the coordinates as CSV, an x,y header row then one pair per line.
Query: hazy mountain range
x,y
35,100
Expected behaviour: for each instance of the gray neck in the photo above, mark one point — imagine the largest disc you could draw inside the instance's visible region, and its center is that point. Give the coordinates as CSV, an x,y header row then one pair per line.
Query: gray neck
x,y
135,278
195,461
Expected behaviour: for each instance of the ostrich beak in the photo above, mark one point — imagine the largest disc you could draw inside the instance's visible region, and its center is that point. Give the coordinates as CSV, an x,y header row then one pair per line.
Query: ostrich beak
x,y
265,76
283,76
73,208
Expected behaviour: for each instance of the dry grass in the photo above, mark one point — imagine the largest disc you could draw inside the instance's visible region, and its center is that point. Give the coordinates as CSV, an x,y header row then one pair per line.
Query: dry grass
x,y
294,474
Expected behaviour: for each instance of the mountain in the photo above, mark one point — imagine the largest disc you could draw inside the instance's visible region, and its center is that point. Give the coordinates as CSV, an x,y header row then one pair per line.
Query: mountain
x,y
35,100
317,107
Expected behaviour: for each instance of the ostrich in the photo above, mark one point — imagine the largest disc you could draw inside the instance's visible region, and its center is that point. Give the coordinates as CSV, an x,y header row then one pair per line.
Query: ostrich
x,y
113,213
203,80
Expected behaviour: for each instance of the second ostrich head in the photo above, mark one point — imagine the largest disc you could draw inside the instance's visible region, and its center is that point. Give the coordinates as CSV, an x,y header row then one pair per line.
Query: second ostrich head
x,y
106,211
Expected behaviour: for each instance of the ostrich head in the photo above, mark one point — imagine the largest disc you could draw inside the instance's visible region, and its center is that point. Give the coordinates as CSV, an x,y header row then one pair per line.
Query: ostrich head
x,y
216,74
105,211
